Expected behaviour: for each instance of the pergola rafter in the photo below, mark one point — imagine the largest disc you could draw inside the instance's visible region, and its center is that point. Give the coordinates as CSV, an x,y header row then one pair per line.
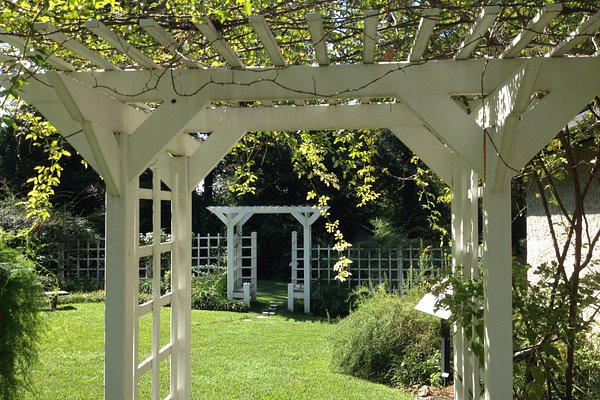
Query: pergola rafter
x,y
126,118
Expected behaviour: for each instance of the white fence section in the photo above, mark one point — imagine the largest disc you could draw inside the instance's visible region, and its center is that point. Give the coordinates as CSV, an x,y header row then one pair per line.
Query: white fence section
x,y
86,260
397,267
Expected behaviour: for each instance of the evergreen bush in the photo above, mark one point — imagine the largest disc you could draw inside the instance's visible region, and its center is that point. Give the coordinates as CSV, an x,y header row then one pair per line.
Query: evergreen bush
x,y
386,340
21,296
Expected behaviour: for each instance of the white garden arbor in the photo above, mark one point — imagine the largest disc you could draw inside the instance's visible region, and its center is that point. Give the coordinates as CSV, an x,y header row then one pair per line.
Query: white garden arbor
x,y
235,218
125,121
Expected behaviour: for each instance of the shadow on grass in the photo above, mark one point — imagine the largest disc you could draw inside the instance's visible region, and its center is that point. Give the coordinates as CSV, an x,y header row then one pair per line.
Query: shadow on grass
x,y
59,308
272,297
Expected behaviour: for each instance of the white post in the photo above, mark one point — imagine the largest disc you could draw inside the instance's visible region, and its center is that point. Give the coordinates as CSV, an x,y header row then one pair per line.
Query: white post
x,y
459,342
156,266
254,263
230,256
472,260
294,262
181,287
497,295
307,256
121,273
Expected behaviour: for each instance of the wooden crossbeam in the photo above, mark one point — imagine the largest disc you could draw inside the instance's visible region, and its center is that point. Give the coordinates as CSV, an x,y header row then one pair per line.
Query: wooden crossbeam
x,y
426,26
218,43
260,26
70,43
577,36
480,27
370,36
533,28
318,37
22,46
166,39
119,43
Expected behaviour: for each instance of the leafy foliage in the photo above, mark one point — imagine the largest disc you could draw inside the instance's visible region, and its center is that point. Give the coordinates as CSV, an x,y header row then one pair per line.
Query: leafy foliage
x,y
386,340
209,292
541,329
330,299
20,322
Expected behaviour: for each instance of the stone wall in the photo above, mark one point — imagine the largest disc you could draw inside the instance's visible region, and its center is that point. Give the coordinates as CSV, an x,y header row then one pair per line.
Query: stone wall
x,y
539,241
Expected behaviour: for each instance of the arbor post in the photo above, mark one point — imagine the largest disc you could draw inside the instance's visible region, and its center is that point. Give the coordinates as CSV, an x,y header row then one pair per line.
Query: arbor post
x,y
120,354
181,285
497,295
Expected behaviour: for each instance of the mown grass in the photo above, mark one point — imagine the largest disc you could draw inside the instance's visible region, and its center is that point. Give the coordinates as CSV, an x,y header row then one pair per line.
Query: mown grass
x,y
234,356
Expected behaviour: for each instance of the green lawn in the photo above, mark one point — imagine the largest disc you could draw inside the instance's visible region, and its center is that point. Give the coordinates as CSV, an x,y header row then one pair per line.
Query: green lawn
x,y
234,356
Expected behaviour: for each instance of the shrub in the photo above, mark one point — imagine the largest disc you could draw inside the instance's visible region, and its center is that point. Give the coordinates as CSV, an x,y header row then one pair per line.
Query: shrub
x,y
97,296
21,296
386,340
209,292
330,299
208,301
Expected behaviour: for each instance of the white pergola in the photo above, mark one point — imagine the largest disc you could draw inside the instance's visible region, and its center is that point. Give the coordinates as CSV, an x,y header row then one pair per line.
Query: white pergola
x,y
125,121
235,218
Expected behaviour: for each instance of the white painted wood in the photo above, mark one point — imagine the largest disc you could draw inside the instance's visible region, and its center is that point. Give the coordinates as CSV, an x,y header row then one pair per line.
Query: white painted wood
x,y
166,39
26,48
497,263
156,266
259,24
181,314
428,148
217,42
290,304
101,141
424,32
565,99
480,27
211,152
289,118
460,344
307,239
500,116
120,360
472,261
72,44
318,37
533,28
370,36
119,43
340,81
577,36
157,131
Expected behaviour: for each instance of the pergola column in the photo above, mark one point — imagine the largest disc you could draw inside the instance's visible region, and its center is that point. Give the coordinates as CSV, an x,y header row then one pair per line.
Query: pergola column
x,y
181,280
497,253
464,262
121,288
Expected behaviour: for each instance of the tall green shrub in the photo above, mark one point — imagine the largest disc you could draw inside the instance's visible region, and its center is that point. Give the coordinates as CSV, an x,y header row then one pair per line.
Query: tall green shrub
x,y
386,340
21,296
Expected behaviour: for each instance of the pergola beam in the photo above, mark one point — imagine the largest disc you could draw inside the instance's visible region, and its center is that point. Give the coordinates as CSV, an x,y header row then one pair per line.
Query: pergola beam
x,y
336,81
424,32
318,37
370,36
481,25
119,43
166,39
75,46
260,26
533,28
577,36
217,42
24,48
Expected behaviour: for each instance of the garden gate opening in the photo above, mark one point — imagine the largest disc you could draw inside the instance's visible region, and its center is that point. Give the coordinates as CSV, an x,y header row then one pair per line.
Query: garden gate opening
x,y
470,119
